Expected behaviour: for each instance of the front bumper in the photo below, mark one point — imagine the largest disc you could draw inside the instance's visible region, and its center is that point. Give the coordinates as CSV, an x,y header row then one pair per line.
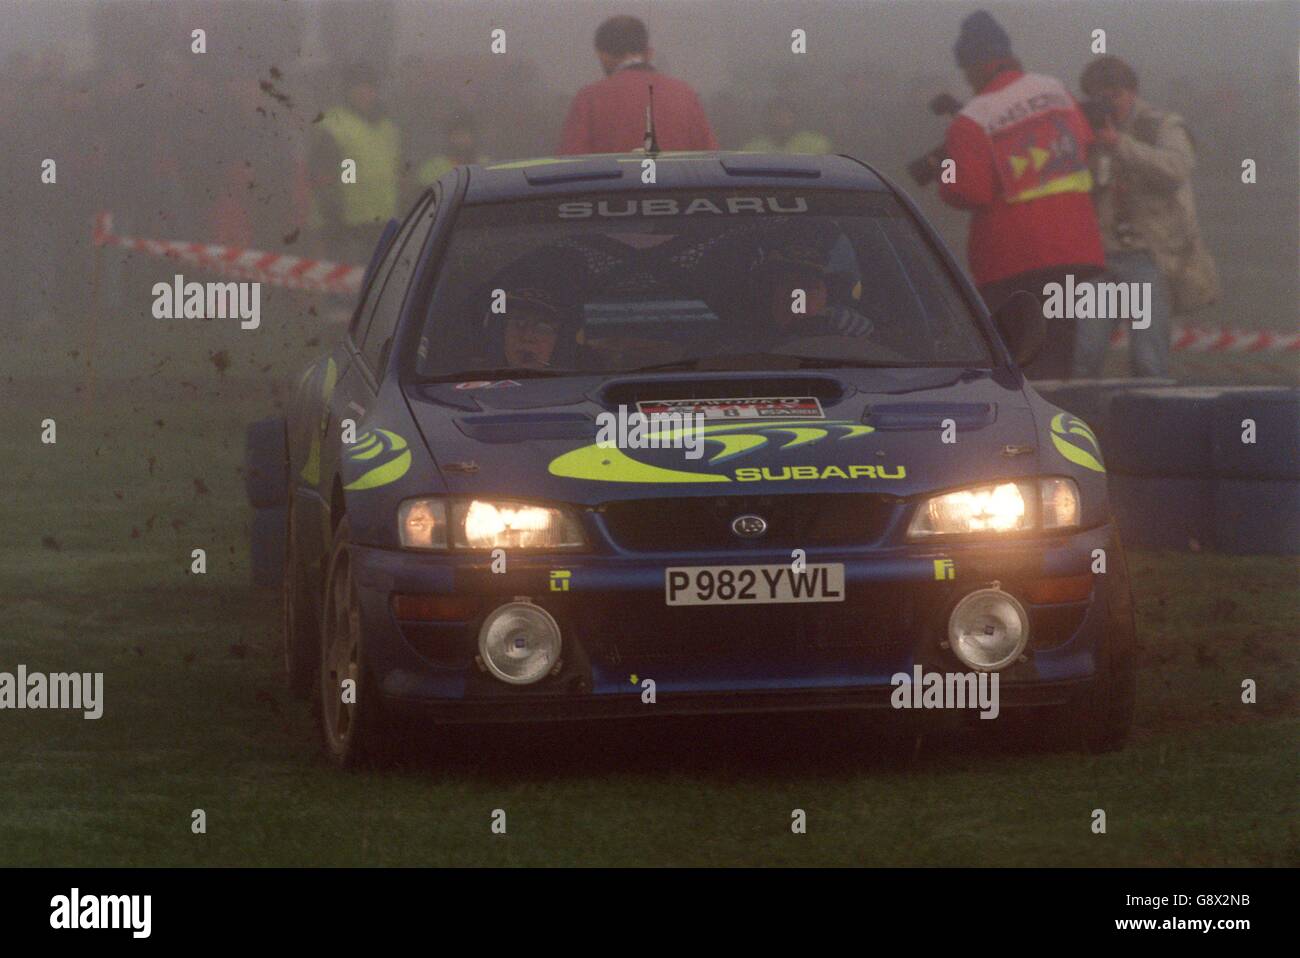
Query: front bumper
x,y
618,632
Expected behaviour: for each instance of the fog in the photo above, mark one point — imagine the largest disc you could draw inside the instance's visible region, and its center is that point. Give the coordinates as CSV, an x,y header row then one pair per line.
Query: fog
x,y
161,136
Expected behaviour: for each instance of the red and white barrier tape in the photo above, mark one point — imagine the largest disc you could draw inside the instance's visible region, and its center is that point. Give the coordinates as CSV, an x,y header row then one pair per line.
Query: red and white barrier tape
x,y
294,272
1189,339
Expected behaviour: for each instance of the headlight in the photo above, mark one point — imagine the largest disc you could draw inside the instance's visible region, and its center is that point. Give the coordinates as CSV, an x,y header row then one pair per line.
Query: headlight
x,y
493,524
1024,505
422,523
486,524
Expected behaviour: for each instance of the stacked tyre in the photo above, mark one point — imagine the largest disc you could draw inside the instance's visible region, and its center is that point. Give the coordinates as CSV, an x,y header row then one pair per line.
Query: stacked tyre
x,y
265,481
1206,468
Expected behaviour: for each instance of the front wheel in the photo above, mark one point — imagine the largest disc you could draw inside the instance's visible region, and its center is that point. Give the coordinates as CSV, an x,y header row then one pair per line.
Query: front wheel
x,y
1099,720
1106,711
350,715
299,621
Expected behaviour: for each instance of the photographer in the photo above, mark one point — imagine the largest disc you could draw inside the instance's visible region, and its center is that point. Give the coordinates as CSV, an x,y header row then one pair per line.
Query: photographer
x,y
1142,162
1021,167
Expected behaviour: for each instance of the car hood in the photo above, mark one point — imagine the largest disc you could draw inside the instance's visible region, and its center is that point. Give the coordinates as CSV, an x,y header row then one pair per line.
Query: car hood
x,y
895,431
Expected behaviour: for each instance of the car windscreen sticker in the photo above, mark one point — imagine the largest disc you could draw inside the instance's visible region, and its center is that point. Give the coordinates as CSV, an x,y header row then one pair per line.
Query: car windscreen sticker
x,y
730,410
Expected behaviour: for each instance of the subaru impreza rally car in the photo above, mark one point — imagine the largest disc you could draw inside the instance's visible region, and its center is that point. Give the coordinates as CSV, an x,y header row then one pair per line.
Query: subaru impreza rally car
x,y
872,484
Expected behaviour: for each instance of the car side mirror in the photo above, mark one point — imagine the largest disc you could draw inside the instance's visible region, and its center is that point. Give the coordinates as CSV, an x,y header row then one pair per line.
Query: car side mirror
x,y
1020,322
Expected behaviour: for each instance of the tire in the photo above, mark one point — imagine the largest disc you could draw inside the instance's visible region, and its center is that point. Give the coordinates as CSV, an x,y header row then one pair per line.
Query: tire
x,y
299,618
1106,710
266,463
354,735
1162,432
266,547
1275,453
1100,718
1257,516
1158,512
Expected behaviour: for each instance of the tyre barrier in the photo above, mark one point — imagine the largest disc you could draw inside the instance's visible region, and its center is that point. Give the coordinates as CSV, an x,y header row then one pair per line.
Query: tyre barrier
x,y
1195,468
1163,512
1275,415
1257,516
266,548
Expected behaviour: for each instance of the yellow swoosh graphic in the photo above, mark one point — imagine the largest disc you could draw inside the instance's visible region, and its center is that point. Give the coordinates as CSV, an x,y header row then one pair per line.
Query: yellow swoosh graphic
x,y
386,472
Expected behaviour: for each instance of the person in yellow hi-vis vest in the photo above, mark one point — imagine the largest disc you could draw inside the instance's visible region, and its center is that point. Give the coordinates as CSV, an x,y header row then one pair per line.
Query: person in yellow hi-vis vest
x,y
353,200
462,149
781,133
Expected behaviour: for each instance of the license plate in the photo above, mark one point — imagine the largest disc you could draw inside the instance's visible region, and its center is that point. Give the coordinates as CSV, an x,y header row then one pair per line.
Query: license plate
x,y
753,584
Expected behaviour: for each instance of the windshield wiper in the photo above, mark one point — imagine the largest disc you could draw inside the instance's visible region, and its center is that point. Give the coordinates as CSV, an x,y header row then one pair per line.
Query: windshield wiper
x,y
829,362
500,372
720,361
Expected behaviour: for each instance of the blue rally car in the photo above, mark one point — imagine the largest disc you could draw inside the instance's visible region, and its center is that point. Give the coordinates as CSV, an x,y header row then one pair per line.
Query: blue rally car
x,y
858,481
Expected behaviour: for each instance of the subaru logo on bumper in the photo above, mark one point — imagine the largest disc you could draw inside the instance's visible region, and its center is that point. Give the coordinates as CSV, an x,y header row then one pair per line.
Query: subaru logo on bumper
x,y
749,526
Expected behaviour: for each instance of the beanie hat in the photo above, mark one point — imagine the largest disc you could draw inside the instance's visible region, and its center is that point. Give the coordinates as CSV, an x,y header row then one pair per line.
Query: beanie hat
x,y
981,39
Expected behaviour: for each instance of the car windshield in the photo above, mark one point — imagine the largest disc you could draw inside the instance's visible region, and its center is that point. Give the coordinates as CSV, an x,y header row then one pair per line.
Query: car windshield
x,y
724,279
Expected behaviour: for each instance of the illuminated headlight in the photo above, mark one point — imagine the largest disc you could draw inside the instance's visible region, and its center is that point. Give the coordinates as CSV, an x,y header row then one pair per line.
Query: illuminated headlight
x,y
1024,505
501,524
988,629
519,643
486,524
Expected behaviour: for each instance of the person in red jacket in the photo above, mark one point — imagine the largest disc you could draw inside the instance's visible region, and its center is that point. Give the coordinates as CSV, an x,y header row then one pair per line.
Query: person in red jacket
x,y
1021,146
609,116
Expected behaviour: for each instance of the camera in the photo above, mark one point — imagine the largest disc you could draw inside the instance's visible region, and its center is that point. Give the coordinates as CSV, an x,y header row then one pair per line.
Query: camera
x,y
925,169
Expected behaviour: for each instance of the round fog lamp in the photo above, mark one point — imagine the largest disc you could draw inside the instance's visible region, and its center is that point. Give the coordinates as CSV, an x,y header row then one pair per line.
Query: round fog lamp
x,y
988,629
519,643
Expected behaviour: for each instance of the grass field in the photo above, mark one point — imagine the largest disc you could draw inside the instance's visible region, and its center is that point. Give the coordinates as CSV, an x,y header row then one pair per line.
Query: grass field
x,y
94,576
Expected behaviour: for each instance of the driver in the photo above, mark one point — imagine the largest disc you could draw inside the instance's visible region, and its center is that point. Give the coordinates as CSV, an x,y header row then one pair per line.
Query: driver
x,y
531,329
802,266
538,324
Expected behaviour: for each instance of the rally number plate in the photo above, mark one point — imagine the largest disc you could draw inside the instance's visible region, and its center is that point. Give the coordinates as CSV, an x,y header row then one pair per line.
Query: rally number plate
x,y
753,584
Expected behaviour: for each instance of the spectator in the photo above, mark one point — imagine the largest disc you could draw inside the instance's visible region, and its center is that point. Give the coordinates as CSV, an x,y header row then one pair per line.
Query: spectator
x,y
1142,164
353,214
462,149
609,116
781,133
1020,147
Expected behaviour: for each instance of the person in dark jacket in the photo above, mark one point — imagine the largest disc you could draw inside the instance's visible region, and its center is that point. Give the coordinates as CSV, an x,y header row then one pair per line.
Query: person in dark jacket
x,y
609,116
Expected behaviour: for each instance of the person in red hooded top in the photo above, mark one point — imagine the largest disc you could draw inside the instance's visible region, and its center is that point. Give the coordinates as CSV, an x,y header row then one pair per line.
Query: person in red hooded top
x,y
609,116
1021,151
